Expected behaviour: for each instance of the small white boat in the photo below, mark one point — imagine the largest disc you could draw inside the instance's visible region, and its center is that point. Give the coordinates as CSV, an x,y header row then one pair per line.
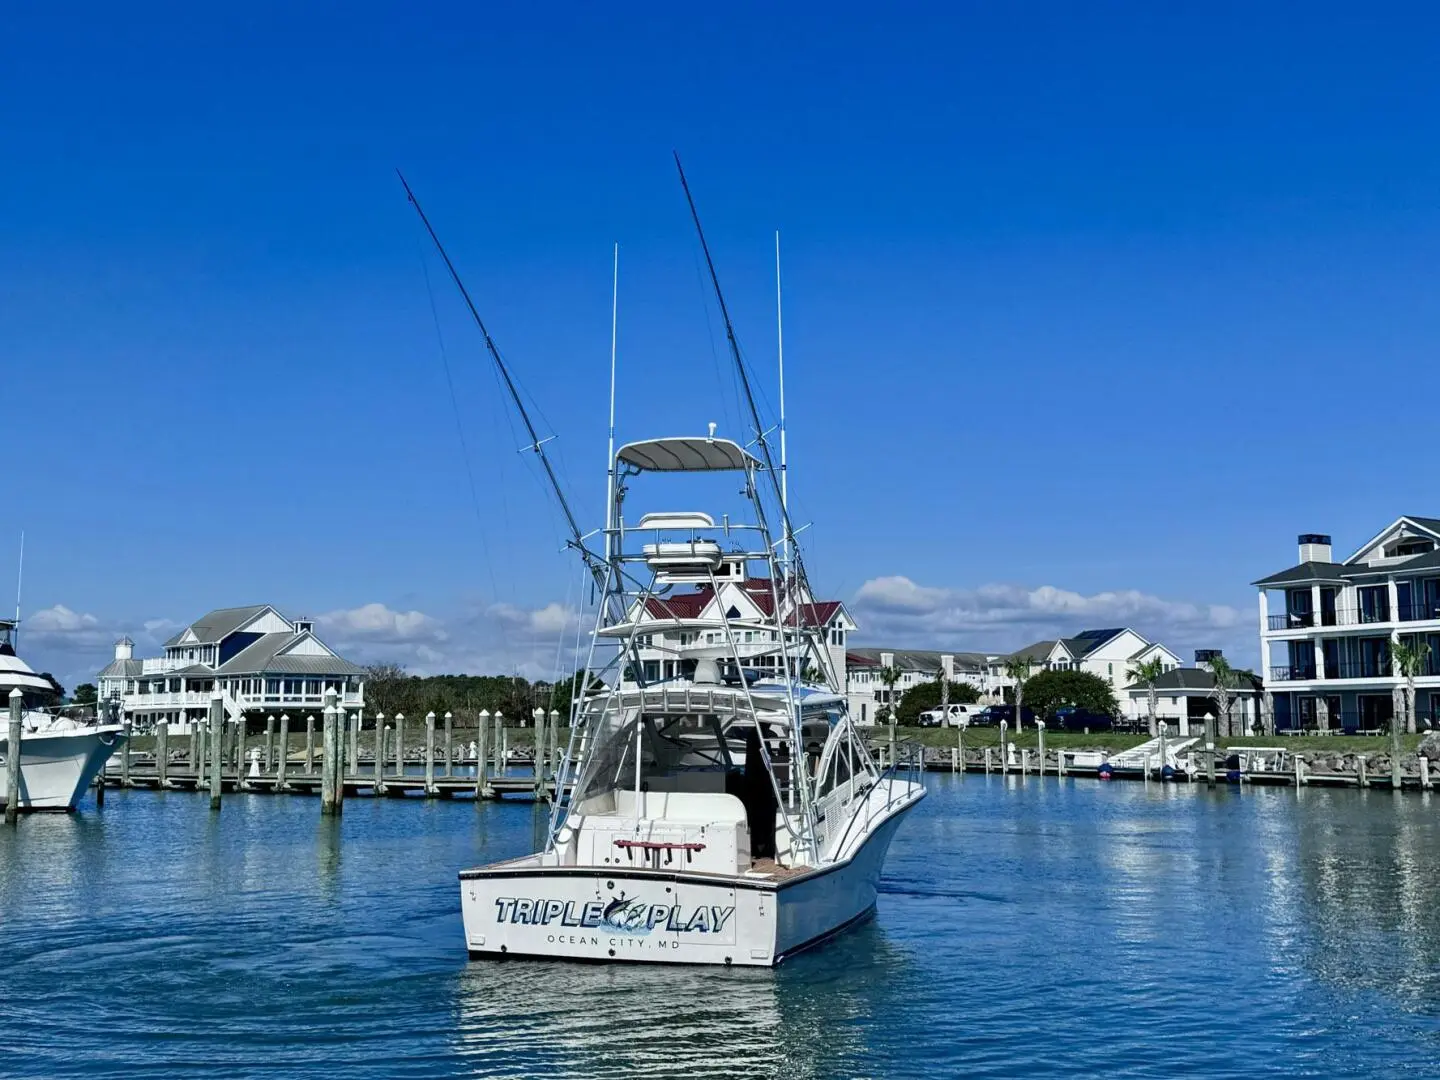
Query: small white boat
x,y
60,755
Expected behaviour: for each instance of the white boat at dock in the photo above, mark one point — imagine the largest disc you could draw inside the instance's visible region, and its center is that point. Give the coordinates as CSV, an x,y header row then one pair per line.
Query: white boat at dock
x,y
60,753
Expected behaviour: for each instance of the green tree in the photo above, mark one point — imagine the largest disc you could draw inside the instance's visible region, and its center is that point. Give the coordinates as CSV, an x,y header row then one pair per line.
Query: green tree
x,y
1018,668
890,675
1223,693
1147,672
86,694
1049,690
927,696
384,688
1409,657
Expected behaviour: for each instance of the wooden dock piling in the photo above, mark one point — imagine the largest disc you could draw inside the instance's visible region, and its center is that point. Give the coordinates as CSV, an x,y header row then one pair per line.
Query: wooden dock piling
x,y
430,752
125,753
1209,749
329,756
1424,773
379,752
399,744
162,753
539,717
217,729
310,744
269,754
12,759
1040,745
557,756
449,745
282,764
482,733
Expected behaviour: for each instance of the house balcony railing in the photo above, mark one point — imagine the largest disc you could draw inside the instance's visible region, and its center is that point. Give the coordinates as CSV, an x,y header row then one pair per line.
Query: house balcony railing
x,y
1304,620
1342,670
201,700
1419,612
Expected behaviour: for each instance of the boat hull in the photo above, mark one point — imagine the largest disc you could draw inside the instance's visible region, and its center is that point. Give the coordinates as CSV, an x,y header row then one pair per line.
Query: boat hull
x,y
522,908
57,766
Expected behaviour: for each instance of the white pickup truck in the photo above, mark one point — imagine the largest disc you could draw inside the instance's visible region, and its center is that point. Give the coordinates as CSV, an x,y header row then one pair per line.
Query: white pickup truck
x,y
948,716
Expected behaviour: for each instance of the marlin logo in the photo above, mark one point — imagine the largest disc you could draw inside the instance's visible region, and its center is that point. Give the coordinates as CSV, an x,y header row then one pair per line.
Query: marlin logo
x,y
622,914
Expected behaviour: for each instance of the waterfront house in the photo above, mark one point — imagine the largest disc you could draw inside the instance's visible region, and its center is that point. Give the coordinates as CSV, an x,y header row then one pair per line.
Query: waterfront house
x,y
261,661
870,698
1109,653
1183,695
1326,628
668,654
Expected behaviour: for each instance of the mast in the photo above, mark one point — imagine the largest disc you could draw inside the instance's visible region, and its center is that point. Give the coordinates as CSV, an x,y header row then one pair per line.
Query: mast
x,y
577,539
610,453
19,580
780,351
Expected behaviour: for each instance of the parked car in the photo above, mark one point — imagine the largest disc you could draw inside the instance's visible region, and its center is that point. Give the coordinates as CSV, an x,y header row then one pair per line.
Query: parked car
x,y
1074,718
948,716
991,715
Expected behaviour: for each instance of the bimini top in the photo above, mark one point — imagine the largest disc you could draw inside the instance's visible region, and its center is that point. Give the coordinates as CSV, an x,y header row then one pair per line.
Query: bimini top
x,y
697,454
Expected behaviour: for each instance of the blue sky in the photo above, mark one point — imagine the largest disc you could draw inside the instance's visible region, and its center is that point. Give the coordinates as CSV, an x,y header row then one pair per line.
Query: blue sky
x,y
1089,309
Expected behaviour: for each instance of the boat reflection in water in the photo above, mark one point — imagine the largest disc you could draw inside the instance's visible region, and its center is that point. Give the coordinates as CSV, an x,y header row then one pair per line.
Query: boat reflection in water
x,y
562,1019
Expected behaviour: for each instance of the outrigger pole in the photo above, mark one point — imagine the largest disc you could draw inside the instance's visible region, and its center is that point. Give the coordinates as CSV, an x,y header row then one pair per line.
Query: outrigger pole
x,y
597,566
777,478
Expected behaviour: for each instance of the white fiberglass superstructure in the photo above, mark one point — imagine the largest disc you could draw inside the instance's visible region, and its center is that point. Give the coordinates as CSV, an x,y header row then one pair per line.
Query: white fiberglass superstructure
x,y
728,815
60,754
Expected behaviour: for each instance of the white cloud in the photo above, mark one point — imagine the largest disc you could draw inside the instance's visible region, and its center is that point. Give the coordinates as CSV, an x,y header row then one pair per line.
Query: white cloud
x,y
896,610
377,623
59,619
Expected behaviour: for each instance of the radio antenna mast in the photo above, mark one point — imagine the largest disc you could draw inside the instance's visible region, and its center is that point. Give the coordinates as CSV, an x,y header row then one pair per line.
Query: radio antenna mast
x,y
780,350
19,581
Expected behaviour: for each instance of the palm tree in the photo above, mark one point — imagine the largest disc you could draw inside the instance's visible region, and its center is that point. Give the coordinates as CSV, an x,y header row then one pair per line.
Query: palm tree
x,y
890,675
1147,671
1224,684
1018,668
1410,660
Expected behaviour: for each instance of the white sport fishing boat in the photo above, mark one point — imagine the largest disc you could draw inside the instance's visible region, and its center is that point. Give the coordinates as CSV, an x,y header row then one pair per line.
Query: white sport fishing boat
x,y
60,754
702,827
729,814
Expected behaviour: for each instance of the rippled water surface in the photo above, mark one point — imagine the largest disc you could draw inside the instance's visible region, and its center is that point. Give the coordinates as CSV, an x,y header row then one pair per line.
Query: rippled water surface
x,y
1024,928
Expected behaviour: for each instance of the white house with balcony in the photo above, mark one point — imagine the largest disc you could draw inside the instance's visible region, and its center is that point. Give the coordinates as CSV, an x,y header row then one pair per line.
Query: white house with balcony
x,y
667,653
1326,628
261,662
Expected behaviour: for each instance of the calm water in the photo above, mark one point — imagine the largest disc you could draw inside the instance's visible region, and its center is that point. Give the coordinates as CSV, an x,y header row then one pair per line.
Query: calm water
x,y
1041,928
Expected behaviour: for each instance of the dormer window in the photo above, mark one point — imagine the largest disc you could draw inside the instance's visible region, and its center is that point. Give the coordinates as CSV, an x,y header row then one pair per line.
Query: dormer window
x,y
1410,545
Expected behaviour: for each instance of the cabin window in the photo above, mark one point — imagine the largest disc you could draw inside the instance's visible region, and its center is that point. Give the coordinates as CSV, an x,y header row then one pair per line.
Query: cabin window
x,y
272,686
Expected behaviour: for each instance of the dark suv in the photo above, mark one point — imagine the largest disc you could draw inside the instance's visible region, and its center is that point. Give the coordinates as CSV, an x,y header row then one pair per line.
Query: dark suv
x,y
991,715
1074,718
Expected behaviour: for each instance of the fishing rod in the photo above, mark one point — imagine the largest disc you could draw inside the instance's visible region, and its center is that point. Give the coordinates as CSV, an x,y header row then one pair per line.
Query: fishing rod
x,y
597,566
776,476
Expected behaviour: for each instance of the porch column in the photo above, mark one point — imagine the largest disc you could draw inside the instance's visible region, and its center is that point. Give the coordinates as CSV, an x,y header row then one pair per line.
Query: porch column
x,y
1319,650
1315,605
1394,592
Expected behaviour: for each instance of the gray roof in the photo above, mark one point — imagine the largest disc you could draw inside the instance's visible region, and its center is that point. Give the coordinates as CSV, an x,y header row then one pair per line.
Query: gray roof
x,y
123,668
1037,652
219,624
189,669
1433,524
922,660
1307,571
260,657
1087,641
1193,678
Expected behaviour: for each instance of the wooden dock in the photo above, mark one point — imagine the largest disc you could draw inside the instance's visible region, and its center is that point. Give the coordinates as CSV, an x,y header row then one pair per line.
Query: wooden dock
x,y
362,785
